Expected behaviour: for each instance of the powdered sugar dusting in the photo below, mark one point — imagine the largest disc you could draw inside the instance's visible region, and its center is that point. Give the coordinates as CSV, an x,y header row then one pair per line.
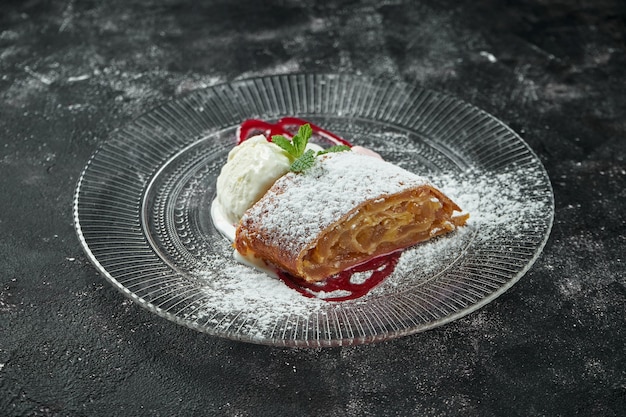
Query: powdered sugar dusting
x,y
308,204
506,208
246,301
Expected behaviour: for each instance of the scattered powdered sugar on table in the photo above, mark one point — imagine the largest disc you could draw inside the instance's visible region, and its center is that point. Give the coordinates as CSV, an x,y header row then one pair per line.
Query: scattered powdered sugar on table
x,y
505,208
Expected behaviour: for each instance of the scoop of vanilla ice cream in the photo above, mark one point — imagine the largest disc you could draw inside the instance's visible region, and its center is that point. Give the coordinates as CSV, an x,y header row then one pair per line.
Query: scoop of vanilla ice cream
x,y
252,168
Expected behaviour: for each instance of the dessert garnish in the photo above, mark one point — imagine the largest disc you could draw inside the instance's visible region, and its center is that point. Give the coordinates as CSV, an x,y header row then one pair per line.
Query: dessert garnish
x,y
301,157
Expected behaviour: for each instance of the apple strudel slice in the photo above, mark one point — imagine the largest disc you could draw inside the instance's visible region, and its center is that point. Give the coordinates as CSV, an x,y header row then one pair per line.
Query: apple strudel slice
x,y
345,210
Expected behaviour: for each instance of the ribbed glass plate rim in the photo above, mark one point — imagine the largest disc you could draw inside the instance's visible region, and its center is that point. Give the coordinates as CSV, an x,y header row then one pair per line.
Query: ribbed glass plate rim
x,y
396,103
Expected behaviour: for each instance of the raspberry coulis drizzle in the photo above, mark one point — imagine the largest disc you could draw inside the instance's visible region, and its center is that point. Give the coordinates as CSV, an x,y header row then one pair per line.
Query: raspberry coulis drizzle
x,y
380,267
251,127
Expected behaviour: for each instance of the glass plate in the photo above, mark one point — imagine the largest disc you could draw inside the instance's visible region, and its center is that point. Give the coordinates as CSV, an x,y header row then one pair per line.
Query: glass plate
x,y
142,210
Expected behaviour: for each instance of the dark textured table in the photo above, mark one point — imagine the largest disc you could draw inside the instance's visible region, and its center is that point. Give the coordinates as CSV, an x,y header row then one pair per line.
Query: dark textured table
x,y
73,71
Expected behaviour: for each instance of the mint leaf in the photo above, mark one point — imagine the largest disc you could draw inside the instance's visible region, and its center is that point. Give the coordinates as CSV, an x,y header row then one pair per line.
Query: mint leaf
x,y
301,139
335,148
301,158
286,145
297,146
306,160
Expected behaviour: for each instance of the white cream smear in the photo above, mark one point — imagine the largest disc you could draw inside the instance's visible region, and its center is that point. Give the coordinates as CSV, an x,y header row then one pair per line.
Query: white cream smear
x,y
227,229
